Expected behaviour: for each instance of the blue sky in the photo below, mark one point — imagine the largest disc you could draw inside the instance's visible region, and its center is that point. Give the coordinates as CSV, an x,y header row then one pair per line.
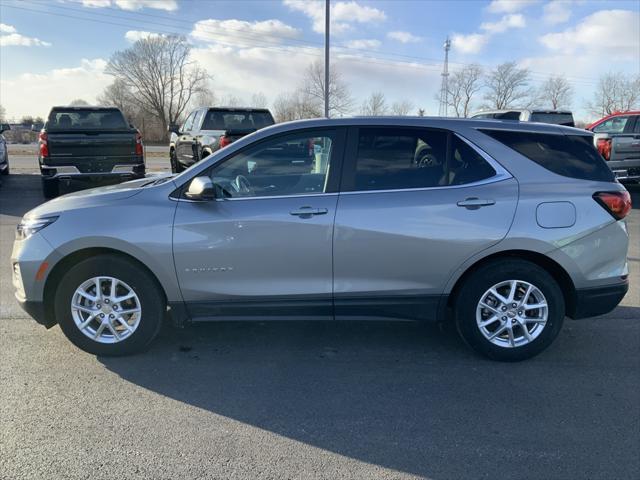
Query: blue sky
x,y
52,51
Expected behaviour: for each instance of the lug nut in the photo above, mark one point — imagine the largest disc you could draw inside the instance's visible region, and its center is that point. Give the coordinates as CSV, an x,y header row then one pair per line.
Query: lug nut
x,y
514,305
504,309
504,318
115,307
106,300
102,315
112,316
98,305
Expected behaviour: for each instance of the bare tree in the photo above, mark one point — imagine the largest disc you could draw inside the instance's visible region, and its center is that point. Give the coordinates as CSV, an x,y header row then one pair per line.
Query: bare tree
x,y
556,93
3,112
421,112
160,74
205,98
78,102
401,107
507,86
462,88
259,100
296,106
615,92
374,105
118,95
340,99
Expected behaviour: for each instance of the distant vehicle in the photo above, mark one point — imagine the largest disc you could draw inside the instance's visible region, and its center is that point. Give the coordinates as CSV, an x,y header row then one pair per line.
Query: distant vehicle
x,y
504,228
4,151
555,117
617,138
208,129
88,144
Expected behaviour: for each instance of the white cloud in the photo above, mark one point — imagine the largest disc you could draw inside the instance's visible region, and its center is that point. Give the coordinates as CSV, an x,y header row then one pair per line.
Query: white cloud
x,y
509,6
212,30
135,35
556,11
614,32
4,28
343,14
9,37
472,43
403,37
363,44
39,91
475,42
504,24
167,5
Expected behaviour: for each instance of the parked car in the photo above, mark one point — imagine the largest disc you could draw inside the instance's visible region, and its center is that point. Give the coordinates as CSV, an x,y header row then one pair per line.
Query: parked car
x,y
555,117
617,138
503,228
208,129
89,144
4,151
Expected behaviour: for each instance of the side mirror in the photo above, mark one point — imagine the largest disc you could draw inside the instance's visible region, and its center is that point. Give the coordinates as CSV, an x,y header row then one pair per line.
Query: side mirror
x,y
36,127
4,127
201,188
174,129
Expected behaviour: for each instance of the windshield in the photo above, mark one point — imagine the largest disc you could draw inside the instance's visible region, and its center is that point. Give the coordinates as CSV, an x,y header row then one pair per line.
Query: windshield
x,y
86,119
236,120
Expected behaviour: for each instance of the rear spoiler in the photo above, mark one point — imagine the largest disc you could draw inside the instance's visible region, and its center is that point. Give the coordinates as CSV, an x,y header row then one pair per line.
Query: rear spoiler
x,y
239,132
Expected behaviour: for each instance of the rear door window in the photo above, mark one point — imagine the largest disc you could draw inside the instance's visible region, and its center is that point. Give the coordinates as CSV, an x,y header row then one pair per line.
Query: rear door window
x,y
567,155
390,158
555,118
86,119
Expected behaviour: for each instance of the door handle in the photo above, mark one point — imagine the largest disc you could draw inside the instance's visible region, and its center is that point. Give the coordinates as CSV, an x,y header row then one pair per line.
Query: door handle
x,y
473,203
307,212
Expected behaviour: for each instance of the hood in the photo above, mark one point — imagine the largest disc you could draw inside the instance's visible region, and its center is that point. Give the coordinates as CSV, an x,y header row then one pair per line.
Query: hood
x,y
93,197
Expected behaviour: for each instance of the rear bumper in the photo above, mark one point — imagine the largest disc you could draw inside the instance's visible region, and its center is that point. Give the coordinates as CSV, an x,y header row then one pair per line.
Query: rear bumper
x,y
591,302
626,170
71,172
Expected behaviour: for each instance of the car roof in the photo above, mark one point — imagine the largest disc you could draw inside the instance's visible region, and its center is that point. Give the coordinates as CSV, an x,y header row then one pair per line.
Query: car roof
x,y
239,109
432,122
83,107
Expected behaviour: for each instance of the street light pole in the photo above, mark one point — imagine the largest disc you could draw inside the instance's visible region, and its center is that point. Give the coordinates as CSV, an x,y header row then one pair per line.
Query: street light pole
x,y
326,59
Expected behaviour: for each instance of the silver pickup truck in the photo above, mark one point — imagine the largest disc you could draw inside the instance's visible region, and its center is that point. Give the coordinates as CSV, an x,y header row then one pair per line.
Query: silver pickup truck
x,y
617,138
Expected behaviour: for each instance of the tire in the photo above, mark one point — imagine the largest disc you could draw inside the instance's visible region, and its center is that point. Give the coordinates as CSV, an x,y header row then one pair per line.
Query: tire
x,y
505,346
148,298
173,159
50,188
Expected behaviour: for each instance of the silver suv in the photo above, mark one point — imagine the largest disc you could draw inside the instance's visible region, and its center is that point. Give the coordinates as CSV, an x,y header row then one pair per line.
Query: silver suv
x,y
503,228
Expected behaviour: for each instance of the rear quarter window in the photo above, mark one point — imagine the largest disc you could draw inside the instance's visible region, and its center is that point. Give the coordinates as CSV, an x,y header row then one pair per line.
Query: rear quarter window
x,y
571,156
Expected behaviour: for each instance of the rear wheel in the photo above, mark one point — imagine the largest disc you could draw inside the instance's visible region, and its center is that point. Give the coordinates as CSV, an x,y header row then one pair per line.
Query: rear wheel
x,y
509,310
173,159
107,305
50,187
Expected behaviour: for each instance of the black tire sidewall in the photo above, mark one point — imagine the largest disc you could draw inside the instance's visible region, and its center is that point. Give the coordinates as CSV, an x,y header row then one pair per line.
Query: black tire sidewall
x,y
487,276
152,303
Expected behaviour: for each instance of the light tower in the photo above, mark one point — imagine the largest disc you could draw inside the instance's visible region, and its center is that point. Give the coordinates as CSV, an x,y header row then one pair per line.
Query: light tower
x,y
443,111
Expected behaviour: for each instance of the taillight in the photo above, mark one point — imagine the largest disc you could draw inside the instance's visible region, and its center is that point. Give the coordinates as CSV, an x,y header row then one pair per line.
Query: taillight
x,y
224,141
139,146
44,146
604,148
618,204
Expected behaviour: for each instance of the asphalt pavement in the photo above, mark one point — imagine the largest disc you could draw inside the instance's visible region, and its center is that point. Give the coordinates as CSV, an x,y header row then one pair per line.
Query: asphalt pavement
x,y
355,400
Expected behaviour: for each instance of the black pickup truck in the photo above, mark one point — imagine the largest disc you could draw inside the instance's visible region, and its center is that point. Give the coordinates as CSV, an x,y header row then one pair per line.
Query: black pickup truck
x,y
90,144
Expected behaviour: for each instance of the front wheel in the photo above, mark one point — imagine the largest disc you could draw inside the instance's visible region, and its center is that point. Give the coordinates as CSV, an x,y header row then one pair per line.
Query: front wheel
x,y
509,310
107,305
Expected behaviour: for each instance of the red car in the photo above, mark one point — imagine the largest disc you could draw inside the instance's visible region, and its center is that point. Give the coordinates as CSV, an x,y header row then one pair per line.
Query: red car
x,y
617,138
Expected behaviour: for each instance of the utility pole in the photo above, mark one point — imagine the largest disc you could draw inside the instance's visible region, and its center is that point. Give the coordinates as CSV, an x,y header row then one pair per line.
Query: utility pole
x,y
443,111
326,58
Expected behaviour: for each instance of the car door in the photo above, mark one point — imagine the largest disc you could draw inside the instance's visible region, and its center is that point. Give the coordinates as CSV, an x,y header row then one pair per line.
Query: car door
x,y
262,248
415,203
626,146
184,142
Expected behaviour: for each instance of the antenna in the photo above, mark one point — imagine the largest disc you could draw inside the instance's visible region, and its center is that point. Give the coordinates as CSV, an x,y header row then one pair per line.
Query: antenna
x,y
443,111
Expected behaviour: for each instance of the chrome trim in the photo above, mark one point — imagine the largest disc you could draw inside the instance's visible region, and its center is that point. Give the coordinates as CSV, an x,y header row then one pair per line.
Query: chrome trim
x,y
125,168
66,169
71,171
264,197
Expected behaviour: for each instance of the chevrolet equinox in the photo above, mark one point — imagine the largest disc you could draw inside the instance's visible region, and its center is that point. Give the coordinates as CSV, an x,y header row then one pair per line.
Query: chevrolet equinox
x,y
503,228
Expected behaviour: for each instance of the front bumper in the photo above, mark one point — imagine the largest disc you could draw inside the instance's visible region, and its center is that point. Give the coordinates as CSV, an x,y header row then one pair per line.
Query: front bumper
x,y
591,302
37,311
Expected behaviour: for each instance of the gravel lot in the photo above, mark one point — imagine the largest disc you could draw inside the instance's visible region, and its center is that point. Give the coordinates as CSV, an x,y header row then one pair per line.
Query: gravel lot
x,y
315,400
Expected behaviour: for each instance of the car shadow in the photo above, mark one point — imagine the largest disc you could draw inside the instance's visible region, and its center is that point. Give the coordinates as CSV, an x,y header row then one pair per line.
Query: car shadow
x,y
634,190
19,193
400,395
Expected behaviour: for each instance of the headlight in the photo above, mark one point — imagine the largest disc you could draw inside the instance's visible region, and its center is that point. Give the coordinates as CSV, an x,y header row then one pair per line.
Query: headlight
x,y
29,226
